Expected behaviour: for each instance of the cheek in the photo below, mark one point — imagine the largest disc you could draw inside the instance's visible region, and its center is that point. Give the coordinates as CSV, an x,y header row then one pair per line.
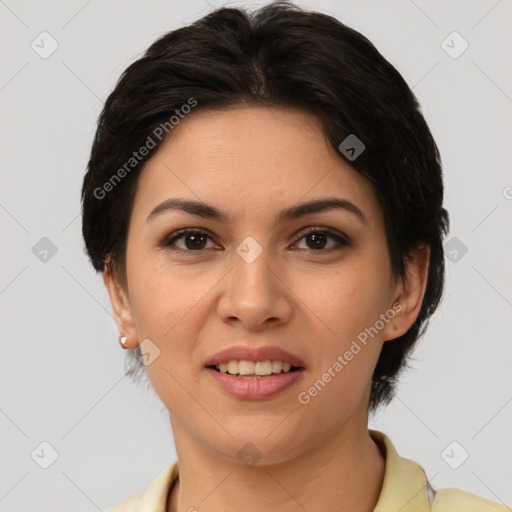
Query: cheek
x,y
340,310
172,304
169,309
165,295
347,299
344,304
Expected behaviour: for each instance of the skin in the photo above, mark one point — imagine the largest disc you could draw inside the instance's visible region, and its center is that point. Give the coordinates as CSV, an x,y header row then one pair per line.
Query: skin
x,y
252,162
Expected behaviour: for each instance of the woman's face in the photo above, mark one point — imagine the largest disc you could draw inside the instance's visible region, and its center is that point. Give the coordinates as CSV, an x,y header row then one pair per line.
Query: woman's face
x,y
257,279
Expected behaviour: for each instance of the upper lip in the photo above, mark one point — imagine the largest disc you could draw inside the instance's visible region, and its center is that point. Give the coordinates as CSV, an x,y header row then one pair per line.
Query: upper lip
x,y
249,353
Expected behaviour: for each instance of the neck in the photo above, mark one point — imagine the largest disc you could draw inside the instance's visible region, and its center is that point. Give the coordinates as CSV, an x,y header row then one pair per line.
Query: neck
x,y
344,473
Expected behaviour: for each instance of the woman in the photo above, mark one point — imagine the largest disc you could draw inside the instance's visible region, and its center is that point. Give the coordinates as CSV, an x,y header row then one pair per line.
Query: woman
x,y
264,200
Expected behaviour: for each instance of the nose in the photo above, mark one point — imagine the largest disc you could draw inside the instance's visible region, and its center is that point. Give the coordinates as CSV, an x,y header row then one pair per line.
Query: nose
x,y
255,295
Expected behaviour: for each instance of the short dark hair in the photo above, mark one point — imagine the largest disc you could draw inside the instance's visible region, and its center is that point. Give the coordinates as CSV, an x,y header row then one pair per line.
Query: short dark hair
x,y
279,55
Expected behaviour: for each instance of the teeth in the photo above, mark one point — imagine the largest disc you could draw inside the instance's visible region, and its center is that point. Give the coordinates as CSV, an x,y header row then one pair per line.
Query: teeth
x,y
232,367
278,365
263,368
245,367
260,368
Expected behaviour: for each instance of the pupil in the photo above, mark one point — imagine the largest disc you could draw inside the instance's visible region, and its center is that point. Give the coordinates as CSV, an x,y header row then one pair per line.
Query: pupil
x,y
314,237
195,239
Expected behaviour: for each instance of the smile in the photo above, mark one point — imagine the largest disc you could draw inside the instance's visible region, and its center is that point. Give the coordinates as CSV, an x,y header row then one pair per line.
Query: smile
x,y
245,368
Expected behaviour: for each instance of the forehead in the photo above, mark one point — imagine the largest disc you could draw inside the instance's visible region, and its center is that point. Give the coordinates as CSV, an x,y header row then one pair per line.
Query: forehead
x,y
252,135
250,158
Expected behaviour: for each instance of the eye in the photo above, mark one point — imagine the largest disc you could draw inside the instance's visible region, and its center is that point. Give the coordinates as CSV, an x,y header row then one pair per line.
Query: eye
x,y
318,238
194,240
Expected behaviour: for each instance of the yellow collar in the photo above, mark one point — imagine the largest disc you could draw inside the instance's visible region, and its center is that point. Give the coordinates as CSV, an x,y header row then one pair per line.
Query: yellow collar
x,y
405,486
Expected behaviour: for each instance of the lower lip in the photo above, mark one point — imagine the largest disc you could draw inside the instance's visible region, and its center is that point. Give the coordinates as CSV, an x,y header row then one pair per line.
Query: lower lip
x,y
256,388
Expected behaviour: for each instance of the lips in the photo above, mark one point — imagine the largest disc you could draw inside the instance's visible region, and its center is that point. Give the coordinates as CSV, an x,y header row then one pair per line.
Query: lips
x,y
253,388
250,353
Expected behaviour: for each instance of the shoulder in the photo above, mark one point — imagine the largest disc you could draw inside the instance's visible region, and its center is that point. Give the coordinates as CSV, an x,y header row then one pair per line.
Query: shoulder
x,y
458,500
402,479
154,497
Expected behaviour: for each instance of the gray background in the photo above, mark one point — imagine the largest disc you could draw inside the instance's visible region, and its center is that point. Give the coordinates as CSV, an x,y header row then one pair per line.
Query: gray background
x,y
62,368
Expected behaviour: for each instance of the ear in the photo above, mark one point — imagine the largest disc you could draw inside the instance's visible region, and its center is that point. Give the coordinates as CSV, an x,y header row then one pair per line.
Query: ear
x,y
409,293
121,306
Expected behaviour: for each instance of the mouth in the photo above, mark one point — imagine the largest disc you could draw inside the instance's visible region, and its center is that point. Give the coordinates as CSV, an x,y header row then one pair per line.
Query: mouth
x,y
244,369
241,379
249,372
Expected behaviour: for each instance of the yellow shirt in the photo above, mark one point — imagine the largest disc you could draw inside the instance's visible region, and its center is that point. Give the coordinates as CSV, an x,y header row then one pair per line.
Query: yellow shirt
x,y
404,489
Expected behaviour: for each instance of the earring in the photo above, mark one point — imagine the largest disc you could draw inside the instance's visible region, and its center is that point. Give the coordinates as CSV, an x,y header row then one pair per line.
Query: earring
x,y
123,339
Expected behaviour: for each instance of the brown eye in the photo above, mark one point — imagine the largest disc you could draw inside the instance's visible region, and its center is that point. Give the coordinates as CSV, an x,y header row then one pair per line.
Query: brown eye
x,y
193,240
317,240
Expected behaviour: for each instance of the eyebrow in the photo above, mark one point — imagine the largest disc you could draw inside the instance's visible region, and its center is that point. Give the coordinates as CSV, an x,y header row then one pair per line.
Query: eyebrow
x,y
294,212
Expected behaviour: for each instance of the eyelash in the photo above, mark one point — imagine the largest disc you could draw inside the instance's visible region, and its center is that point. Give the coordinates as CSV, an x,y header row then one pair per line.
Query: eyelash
x,y
178,235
